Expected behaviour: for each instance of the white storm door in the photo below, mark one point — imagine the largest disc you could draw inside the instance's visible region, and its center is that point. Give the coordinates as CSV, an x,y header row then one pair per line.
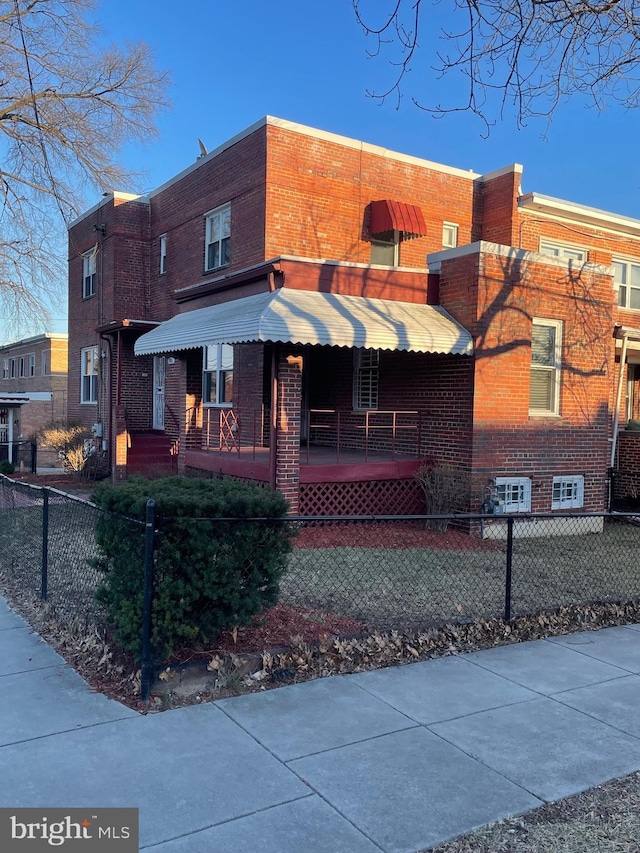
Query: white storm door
x,y
158,391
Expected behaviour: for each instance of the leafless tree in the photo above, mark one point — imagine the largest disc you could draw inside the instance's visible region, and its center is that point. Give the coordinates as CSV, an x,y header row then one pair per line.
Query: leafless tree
x,y
532,54
67,105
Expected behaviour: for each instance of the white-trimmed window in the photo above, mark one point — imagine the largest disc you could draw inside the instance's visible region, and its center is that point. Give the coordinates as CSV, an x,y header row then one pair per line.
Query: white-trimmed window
x,y
5,368
546,355
563,250
12,368
43,362
217,375
218,236
31,364
163,254
89,375
89,273
567,492
449,235
385,249
513,494
21,367
366,368
626,280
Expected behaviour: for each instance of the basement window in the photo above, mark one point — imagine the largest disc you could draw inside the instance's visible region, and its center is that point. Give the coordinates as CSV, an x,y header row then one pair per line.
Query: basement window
x,y
568,492
513,494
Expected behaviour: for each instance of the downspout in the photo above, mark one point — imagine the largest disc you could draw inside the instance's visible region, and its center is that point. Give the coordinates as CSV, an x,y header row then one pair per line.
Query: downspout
x,y
616,414
273,425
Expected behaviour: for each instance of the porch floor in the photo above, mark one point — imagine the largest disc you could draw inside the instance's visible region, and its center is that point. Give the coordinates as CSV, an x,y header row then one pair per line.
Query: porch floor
x,y
317,464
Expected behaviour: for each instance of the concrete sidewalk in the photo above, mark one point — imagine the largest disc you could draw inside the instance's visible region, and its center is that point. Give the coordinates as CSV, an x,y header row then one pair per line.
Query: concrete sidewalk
x,y
393,760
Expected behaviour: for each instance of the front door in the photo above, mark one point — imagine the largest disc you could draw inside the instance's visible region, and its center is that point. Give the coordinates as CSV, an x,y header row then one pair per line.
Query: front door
x,y
158,391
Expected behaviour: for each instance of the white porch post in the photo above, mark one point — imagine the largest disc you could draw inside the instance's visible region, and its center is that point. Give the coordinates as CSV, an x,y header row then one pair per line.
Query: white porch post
x,y
10,433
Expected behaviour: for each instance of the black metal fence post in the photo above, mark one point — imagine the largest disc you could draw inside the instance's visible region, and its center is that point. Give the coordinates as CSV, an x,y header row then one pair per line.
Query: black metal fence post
x,y
45,543
507,585
147,664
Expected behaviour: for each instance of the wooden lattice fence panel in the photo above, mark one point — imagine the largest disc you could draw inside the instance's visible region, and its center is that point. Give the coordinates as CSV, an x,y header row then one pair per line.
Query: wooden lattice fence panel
x,y
368,497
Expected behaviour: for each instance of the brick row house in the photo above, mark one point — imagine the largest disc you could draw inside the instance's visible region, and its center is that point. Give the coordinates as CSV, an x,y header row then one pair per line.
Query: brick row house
x,y
320,314
33,393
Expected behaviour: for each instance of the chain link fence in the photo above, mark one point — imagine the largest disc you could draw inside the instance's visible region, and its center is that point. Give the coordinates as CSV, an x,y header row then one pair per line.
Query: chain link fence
x,y
385,573
400,574
48,550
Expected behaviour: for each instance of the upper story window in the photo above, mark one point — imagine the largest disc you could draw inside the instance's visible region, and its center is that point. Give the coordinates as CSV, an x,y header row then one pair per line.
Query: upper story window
x,y
43,362
163,254
12,368
563,250
5,368
217,375
89,274
385,249
31,364
89,375
21,367
544,380
365,378
218,235
449,235
626,280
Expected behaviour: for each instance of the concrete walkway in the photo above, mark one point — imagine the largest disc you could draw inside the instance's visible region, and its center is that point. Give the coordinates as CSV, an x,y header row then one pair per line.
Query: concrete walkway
x,y
393,760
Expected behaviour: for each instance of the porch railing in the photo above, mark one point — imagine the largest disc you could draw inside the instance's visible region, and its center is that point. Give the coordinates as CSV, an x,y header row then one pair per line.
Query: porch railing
x,y
329,433
228,431
390,432
22,454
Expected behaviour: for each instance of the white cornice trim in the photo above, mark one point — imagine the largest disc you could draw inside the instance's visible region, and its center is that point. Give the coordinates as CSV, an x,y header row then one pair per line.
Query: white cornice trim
x,y
481,247
567,211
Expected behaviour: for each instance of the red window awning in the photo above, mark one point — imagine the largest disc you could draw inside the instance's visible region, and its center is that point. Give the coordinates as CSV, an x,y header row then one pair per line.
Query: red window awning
x,y
388,215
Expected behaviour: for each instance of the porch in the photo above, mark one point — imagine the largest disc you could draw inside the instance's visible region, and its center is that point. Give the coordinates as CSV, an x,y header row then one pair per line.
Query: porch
x,y
320,395
347,460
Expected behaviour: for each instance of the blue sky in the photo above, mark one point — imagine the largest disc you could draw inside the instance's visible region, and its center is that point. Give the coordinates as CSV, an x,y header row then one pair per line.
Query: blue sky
x,y
232,63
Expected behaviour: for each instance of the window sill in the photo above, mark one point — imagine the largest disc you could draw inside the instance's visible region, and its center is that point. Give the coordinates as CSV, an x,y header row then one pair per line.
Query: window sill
x,y
88,402
550,416
216,269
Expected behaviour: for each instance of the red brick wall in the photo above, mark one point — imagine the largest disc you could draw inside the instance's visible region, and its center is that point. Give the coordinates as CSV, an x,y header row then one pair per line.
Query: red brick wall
x,y
122,291
318,192
507,441
499,205
237,175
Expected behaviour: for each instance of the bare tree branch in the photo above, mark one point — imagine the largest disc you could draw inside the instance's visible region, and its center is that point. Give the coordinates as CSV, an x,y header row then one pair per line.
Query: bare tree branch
x,y
67,106
525,55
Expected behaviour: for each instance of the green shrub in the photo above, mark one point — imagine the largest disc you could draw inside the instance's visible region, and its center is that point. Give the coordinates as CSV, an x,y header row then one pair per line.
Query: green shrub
x,y
209,574
6,467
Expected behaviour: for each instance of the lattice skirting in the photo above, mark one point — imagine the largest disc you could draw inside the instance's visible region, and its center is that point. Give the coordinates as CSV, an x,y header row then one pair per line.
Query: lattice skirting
x,y
371,497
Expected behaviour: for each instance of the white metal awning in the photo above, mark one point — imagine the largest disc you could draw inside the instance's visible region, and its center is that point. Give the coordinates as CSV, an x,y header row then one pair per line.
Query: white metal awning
x,y
307,317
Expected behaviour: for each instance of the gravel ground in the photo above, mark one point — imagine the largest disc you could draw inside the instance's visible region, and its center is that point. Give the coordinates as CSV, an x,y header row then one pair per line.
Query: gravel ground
x,y
605,819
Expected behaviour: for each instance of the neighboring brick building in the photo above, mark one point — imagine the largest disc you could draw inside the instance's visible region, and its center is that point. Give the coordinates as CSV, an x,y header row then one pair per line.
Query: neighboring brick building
x,y
338,312
33,392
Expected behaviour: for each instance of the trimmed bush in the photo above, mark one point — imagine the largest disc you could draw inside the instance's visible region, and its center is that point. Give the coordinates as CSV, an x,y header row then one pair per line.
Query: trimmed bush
x,y
209,574
6,467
